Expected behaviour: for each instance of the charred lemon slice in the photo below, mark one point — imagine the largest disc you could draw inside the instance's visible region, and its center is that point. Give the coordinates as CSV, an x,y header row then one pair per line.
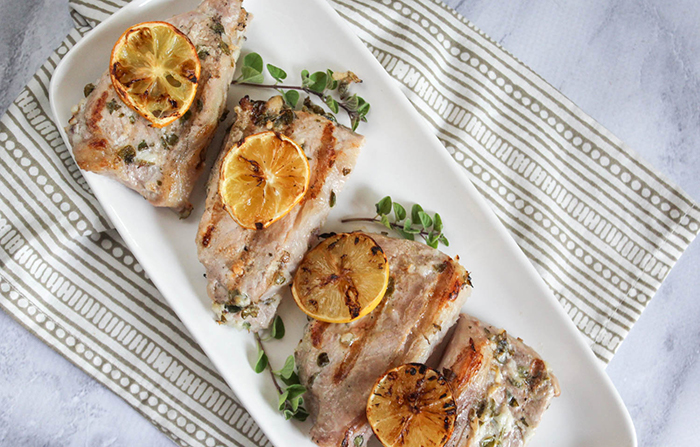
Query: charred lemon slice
x,y
342,279
412,405
262,179
155,69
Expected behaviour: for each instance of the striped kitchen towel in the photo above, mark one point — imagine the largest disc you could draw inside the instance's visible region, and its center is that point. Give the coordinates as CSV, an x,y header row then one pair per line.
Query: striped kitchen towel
x,y
601,226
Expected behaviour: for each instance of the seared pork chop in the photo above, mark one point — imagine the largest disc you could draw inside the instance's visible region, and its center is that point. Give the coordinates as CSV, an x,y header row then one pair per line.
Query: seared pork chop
x,y
501,386
339,363
247,268
163,164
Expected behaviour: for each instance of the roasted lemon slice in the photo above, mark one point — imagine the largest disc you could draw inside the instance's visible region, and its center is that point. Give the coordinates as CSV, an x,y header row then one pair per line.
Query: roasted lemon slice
x,y
155,69
344,278
412,405
262,179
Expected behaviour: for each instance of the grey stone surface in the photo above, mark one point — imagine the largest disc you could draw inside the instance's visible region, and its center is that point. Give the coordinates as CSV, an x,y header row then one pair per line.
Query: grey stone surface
x,y
632,65
29,32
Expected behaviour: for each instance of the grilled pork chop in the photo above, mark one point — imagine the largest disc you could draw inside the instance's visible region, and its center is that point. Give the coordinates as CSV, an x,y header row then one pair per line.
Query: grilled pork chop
x,y
501,386
339,363
163,164
247,268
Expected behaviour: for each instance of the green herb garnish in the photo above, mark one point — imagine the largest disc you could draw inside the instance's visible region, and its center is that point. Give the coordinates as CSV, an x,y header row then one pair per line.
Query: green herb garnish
x,y
322,84
112,106
225,48
216,25
277,329
202,52
291,399
127,153
88,89
419,223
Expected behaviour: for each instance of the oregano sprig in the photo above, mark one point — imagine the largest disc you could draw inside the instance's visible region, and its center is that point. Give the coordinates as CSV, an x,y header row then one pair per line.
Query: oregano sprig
x,y
291,398
418,223
322,84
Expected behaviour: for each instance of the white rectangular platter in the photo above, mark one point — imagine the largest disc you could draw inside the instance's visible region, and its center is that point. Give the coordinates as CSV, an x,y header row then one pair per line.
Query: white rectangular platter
x,y
402,158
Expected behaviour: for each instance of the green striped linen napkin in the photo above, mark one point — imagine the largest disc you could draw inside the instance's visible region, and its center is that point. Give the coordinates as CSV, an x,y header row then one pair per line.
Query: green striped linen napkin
x,y
601,226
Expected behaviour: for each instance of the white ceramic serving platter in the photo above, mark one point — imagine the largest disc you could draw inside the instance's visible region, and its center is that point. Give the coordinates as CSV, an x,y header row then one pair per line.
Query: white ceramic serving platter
x,y
402,158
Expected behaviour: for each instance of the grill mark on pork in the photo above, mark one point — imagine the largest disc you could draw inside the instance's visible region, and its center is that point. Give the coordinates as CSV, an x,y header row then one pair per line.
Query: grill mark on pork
x,y
355,349
326,160
207,236
97,111
317,328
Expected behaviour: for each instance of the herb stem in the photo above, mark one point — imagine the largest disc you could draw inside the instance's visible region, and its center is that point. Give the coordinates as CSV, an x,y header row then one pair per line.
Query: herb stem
x,y
394,225
293,87
269,367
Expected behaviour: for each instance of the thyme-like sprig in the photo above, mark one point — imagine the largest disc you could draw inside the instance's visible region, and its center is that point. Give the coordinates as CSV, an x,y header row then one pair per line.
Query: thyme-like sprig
x,y
321,84
419,223
291,399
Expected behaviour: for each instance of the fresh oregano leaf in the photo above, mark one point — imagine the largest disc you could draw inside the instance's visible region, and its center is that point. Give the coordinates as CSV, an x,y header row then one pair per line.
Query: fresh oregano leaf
x,y
301,414
425,220
352,103
414,212
288,414
354,121
405,234
261,363
282,402
291,97
276,72
362,107
251,76
277,331
444,240
385,221
399,212
296,403
292,380
331,84
331,103
305,81
432,240
318,81
437,223
294,391
288,368
384,206
254,61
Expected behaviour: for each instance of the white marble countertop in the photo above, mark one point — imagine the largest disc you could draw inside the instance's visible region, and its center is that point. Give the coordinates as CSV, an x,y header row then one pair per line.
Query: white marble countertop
x,y
633,66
